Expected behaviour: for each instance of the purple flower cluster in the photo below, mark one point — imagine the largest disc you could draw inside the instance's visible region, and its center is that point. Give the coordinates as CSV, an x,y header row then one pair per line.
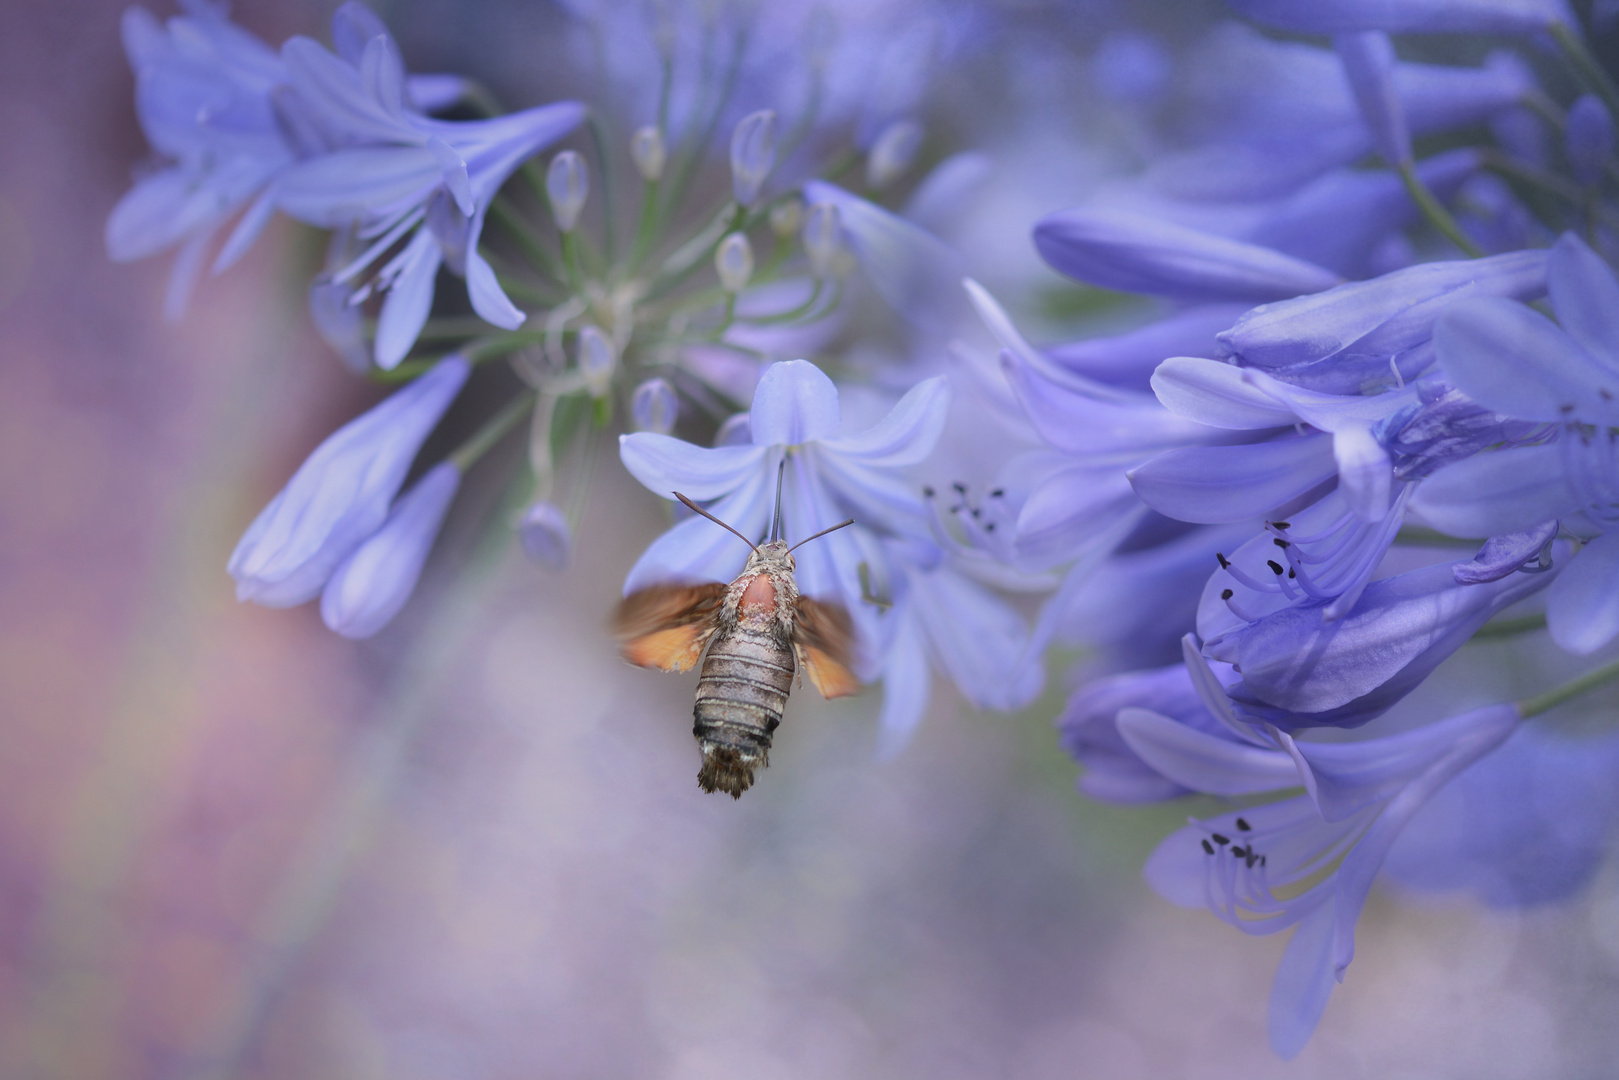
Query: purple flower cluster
x,y
1373,415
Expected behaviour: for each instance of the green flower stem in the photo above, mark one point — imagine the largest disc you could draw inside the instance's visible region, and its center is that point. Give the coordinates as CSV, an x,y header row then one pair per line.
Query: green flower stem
x,y
1589,681
1556,186
502,210
646,228
1585,66
599,139
1512,627
1435,211
570,259
495,429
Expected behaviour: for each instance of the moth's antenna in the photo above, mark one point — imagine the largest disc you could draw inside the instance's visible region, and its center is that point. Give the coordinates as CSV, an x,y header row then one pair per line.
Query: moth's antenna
x,y
718,522
823,532
775,522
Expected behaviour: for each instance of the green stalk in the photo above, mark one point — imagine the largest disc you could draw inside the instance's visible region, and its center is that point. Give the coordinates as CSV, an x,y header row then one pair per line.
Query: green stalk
x,y
1589,681
1435,211
485,438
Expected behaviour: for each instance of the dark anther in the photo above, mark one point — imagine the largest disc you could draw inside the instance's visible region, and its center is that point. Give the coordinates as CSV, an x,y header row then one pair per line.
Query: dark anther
x,y
990,527
1281,525
1565,409
1279,542
1238,850
1262,860
976,511
1225,594
1208,848
1276,567
1243,826
961,489
928,492
1251,859
997,493
1224,562
1604,394
1218,839
1291,574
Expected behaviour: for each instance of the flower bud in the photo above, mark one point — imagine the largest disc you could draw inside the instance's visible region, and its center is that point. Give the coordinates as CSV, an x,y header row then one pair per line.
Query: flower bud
x,y
787,217
567,185
823,238
1590,139
372,584
893,153
753,155
654,406
736,431
648,152
734,262
544,534
596,358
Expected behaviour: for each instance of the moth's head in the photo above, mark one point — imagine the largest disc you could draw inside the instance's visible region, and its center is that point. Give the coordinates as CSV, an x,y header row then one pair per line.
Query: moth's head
x,y
773,555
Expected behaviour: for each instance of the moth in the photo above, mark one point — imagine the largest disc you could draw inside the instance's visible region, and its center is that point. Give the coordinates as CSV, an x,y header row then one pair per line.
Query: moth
x,y
759,631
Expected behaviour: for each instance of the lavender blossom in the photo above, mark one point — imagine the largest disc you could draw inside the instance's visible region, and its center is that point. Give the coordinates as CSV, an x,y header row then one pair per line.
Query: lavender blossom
x,y
340,496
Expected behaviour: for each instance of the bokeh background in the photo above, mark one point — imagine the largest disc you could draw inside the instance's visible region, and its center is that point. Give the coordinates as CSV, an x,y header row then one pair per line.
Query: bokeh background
x,y
235,845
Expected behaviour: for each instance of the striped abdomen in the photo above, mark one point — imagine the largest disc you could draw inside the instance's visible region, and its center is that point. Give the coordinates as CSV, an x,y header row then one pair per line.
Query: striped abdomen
x,y
744,685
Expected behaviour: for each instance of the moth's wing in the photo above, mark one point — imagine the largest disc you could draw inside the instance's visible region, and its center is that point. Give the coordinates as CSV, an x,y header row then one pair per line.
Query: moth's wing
x,y
667,626
823,636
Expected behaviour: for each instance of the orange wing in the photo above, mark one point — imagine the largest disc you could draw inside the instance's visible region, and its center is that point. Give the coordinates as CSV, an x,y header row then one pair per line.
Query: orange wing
x,y
822,637
667,626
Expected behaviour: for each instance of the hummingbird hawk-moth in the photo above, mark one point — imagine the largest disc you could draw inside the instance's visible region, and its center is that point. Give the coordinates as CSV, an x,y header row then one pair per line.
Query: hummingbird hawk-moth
x,y
758,631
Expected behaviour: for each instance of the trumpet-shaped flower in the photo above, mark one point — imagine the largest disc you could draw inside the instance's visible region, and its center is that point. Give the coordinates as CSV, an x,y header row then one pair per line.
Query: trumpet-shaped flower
x,y
341,495
1307,861
369,587
829,475
1513,360
397,174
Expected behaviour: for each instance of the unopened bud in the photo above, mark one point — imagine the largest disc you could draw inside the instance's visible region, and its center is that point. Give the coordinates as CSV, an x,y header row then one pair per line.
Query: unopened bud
x,y
787,217
892,153
544,534
596,358
753,155
567,185
648,152
823,238
736,431
654,406
734,262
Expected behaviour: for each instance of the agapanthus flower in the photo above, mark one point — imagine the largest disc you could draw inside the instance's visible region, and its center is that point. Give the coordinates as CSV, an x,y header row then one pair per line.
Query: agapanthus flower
x,y
204,98
1410,16
1515,361
829,475
1307,861
341,495
397,175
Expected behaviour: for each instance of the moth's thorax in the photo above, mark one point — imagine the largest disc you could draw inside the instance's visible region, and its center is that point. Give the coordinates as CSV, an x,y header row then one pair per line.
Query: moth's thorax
x,y
765,593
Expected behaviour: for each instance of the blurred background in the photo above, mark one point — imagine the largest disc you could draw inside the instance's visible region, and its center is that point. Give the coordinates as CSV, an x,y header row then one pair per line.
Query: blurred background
x,y
233,844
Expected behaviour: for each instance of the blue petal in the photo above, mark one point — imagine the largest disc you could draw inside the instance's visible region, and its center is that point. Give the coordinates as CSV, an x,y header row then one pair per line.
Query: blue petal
x,y
699,550
666,465
1365,473
1514,360
1582,607
905,436
1303,983
1078,423
1203,761
1368,59
1217,394
907,685
978,638
1135,253
370,587
1497,492
409,301
1129,359
908,265
1218,484
795,403
1501,555
454,173
1407,16
489,300
1585,296
349,185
